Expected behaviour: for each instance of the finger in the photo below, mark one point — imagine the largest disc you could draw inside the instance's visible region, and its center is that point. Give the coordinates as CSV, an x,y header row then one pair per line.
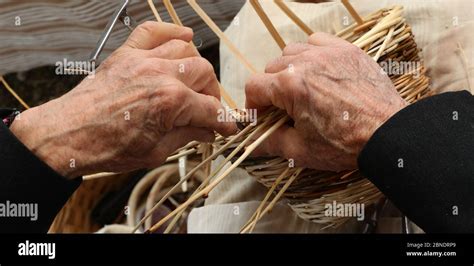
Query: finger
x,y
260,92
207,111
203,111
285,142
325,39
150,34
296,48
175,49
281,64
195,72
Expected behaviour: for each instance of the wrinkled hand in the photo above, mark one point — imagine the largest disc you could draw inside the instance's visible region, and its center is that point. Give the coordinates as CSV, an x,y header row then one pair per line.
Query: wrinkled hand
x,y
151,96
336,95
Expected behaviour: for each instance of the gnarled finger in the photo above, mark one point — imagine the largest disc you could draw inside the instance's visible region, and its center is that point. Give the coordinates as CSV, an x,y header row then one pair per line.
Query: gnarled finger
x,y
150,34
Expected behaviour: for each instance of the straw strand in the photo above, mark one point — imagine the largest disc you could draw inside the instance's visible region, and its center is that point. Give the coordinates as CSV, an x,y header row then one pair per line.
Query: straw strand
x,y
154,11
268,23
281,4
12,92
221,35
353,12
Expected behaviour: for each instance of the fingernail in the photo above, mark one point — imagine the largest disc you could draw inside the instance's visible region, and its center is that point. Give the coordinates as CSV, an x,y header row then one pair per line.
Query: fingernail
x,y
188,30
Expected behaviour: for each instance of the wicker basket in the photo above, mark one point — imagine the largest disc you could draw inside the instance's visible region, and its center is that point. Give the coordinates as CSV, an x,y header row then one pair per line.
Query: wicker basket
x,y
75,216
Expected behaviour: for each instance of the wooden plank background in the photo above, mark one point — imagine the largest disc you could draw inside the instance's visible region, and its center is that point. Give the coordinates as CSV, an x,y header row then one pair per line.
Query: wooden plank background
x,y
42,32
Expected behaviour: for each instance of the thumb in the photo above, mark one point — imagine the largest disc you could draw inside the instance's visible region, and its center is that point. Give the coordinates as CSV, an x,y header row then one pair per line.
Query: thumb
x,y
285,142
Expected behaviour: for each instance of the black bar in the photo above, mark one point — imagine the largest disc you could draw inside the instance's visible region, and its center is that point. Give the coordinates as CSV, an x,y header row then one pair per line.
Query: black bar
x,y
222,249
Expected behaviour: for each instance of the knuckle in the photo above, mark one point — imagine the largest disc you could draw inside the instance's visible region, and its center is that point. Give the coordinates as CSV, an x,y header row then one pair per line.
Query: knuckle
x,y
289,47
279,64
213,104
293,46
200,69
287,90
170,100
202,63
146,27
285,78
213,108
178,94
250,86
180,45
314,37
272,65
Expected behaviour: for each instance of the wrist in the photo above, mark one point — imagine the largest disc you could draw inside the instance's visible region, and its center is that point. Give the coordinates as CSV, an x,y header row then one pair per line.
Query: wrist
x,y
30,130
383,116
392,109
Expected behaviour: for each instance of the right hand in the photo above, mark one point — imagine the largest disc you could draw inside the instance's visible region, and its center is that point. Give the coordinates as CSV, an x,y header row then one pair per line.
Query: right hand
x,y
335,93
157,79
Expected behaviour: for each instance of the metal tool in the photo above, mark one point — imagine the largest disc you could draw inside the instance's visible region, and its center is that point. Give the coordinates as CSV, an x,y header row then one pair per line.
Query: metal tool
x,y
119,14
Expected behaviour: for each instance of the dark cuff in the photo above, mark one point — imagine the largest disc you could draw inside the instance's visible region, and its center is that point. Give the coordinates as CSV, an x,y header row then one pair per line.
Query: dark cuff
x,y
25,179
421,159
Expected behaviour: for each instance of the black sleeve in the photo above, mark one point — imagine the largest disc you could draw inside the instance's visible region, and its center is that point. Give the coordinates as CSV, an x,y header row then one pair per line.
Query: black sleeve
x,y
28,187
422,159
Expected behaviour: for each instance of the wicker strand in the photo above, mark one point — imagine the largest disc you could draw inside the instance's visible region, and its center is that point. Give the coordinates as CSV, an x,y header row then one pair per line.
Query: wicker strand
x,y
281,4
191,172
274,200
212,25
207,189
258,130
268,23
154,11
13,92
352,11
258,211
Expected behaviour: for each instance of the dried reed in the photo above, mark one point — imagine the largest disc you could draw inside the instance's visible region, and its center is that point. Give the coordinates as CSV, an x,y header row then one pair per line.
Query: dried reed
x,y
13,92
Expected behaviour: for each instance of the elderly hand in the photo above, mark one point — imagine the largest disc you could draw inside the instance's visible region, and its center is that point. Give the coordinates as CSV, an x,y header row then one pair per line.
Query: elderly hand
x,y
336,95
151,96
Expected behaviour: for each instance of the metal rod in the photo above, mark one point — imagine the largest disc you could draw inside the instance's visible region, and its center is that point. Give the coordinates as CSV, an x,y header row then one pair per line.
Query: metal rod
x,y
119,14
